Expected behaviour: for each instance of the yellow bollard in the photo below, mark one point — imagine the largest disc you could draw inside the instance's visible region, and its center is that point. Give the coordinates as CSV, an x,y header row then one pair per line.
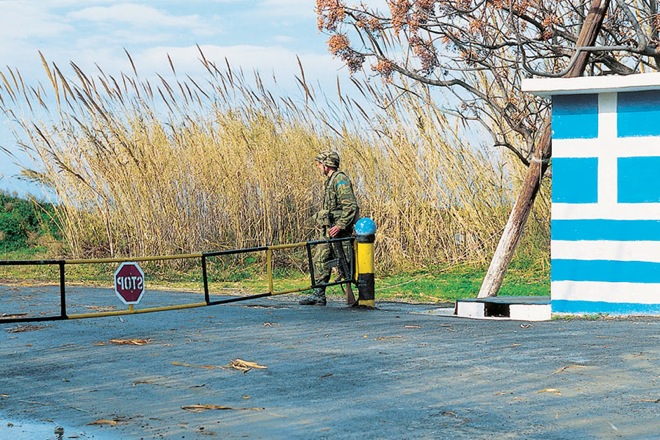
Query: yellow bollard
x,y
365,231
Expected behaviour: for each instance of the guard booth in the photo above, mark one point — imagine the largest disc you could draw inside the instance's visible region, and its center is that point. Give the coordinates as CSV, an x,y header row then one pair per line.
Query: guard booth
x,y
605,248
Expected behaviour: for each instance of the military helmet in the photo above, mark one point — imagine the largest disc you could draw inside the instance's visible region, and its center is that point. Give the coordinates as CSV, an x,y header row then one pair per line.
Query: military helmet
x,y
328,158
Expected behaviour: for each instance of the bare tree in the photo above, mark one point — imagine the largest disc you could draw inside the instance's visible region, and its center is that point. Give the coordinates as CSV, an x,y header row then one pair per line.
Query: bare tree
x,y
478,51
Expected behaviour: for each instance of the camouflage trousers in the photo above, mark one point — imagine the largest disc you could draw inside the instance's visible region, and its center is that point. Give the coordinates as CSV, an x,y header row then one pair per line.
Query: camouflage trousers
x,y
324,253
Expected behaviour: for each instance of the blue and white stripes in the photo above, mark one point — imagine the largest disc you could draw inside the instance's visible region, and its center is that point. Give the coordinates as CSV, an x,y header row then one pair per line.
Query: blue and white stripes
x,y
605,247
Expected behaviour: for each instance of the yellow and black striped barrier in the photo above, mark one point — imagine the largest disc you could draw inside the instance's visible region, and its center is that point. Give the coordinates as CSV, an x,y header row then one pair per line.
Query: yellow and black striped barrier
x,y
365,231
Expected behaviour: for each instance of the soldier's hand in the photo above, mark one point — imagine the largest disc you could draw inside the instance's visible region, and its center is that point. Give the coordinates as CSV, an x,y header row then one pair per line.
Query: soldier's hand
x,y
333,231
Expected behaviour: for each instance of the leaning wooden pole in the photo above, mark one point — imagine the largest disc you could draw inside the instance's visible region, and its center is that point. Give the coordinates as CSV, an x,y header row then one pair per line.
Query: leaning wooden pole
x,y
543,152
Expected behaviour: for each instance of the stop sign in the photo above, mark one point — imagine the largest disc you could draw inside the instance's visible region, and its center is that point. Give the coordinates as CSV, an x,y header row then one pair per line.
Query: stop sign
x,y
129,283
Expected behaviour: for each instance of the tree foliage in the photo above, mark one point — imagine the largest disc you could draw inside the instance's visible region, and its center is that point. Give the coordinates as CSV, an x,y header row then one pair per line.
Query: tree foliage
x,y
479,51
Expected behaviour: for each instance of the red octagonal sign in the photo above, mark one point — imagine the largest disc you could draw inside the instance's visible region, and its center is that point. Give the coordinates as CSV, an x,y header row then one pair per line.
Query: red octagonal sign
x,y
129,283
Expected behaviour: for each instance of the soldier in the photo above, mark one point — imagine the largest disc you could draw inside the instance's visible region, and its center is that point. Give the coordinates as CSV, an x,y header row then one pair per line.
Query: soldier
x,y
338,214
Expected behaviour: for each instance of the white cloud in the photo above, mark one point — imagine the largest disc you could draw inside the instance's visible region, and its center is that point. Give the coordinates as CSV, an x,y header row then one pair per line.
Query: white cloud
x,y
291,8
28,20
142,17
25,28
283,39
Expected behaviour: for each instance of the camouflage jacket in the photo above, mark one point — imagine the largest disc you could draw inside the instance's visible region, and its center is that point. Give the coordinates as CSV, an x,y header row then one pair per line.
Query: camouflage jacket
x,y
339,206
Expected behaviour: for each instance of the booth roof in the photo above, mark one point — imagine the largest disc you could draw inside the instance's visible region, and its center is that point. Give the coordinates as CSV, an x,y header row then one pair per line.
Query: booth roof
x,y
592,84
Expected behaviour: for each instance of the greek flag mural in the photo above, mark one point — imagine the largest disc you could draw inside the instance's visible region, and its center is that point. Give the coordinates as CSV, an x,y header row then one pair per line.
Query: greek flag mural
x,y
605,249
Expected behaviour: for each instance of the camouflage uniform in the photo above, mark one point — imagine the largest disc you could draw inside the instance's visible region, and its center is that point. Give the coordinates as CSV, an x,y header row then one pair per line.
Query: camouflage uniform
x,y
339,208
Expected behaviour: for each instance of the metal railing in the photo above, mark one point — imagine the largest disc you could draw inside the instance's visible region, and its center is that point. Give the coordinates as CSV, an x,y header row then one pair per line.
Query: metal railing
x,y
203,258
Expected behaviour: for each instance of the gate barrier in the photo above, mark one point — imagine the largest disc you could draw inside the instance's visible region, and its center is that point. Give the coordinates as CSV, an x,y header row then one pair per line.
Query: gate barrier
x,y
366,295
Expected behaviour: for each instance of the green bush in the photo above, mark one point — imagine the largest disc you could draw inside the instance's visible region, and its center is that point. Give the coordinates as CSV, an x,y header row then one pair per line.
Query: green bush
x,y
24,222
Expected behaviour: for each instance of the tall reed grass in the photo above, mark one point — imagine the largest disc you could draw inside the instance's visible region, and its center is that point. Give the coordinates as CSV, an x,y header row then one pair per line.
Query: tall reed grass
x,y
180,164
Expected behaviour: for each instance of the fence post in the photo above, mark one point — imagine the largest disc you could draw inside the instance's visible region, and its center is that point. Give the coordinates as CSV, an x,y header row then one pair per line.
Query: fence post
x,y
62,290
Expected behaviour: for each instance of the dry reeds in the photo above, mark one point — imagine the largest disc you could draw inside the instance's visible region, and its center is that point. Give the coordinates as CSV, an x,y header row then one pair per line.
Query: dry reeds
x,y
154,167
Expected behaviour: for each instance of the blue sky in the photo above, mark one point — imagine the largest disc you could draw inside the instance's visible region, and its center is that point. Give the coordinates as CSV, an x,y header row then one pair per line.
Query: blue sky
x,y
262,35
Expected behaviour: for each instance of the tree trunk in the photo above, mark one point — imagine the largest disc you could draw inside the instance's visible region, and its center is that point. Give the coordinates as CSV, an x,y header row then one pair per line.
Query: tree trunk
x,y
532,183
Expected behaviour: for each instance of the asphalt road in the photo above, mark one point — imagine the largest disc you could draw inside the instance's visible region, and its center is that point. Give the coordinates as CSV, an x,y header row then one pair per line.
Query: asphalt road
x,y
398,372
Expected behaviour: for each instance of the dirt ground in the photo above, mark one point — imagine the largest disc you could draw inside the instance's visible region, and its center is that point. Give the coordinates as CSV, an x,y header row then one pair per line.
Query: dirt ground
x,y
400,371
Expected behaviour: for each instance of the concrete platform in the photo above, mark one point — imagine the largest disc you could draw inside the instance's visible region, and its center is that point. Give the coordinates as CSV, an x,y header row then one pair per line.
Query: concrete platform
x,y
519,308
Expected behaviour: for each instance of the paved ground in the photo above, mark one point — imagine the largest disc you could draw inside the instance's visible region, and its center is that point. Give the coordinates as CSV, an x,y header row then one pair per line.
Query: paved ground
x,y
398,372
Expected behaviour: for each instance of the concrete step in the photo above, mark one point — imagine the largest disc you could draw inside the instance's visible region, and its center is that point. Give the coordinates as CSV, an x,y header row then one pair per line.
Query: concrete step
x,y
518,308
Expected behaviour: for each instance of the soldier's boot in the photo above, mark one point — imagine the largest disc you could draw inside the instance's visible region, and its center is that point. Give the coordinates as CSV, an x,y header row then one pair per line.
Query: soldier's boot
x,y
315,299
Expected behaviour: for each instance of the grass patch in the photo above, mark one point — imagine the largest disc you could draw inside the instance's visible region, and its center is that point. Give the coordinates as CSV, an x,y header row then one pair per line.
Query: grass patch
x,y
457,282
